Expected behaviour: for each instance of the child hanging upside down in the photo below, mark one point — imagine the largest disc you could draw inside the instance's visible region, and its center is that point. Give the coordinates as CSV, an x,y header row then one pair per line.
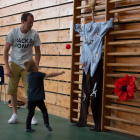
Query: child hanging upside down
x,y
36,94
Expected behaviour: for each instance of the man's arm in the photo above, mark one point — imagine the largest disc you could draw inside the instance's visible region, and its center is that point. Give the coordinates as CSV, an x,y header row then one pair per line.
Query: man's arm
x,y
37,54
5,55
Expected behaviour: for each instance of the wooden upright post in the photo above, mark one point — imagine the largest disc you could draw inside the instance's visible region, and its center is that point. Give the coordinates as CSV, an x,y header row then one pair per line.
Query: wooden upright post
x,y
75,68
107,59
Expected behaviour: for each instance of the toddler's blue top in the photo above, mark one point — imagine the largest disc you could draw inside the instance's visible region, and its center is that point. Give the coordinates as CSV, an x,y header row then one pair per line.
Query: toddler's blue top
x,y
35,86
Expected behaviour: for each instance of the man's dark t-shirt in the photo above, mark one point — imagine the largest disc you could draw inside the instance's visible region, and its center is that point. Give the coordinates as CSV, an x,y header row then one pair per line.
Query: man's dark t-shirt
x,y
35,86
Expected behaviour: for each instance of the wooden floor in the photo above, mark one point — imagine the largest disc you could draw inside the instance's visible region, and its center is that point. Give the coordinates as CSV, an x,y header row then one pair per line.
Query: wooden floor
x,y
62,129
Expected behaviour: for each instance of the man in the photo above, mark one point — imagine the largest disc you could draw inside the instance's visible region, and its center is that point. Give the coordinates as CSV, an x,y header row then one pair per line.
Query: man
x,y
20,41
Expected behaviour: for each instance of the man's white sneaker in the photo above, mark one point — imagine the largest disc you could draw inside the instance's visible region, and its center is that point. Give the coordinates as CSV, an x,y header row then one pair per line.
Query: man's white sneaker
x,y
34,121
13,119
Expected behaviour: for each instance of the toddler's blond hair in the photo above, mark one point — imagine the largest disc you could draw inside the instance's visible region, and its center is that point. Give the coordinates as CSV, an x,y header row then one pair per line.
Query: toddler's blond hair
x,y
29,64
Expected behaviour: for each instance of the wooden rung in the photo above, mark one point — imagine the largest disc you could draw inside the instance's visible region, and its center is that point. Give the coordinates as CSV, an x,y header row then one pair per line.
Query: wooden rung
x,y
89,123
122,21
79,101
113,1
116,97
78,44
75,119
111,96
122,120
77,54
78,35
90,15
124,31
87,6
78,73
77,82
120,75
123,53
76,110
127,20
122,109
76,91
118,43
124,9
77,63
124,42
115,21
82,7
76,101
112,86
123,65
121,130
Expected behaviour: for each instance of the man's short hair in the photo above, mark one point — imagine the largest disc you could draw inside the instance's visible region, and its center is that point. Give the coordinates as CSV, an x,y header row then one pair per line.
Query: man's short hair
x,y
29,64
25,15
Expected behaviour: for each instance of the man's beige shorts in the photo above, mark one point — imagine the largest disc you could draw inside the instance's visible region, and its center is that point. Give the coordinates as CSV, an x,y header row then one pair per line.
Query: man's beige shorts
x,y
14,81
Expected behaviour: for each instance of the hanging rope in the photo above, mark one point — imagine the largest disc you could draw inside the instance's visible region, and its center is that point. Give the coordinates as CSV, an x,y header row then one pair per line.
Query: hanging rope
x,y
92,4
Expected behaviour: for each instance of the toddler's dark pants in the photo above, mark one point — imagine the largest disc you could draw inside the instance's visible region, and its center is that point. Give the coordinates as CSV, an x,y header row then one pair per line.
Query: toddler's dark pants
x,y
31,109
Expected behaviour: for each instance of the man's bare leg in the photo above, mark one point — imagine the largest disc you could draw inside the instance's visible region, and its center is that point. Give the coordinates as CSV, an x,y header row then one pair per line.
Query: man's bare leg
x,y
14,103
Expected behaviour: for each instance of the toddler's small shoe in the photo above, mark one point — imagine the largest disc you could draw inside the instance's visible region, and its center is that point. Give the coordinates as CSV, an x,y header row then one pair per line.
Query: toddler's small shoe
x,y
48,127
30,130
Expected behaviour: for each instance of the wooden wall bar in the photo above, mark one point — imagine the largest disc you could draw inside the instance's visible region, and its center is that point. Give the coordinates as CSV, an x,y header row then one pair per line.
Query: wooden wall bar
x,y
124,116
121,56
52,21
76,78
